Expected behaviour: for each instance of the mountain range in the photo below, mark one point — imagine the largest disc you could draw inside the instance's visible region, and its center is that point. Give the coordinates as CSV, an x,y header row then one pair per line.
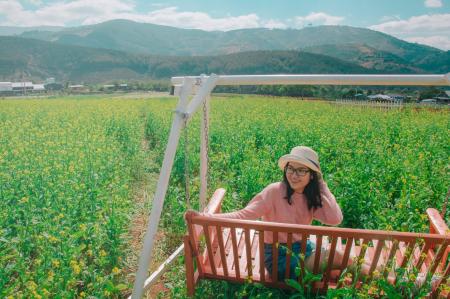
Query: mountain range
x,y
126,50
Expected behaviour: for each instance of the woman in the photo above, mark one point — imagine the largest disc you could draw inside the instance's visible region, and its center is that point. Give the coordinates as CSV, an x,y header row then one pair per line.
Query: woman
x,y
300,198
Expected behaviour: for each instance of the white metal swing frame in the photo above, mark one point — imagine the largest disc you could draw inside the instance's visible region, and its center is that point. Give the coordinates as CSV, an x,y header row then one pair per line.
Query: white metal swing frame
x,y
202,86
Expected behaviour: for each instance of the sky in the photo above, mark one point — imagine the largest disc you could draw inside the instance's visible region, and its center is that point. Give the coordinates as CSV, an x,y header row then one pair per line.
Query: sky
x,y
422,21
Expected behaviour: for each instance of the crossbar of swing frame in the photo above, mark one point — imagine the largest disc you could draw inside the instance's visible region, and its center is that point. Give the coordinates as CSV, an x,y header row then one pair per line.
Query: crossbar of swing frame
x,y
186,109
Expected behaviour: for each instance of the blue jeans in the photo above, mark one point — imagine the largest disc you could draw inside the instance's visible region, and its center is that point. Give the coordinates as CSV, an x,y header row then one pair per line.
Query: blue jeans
x,y
295,259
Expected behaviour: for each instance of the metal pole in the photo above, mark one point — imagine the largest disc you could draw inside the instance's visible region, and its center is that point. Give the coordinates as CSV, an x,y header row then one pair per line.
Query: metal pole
x,y
401,80
157,204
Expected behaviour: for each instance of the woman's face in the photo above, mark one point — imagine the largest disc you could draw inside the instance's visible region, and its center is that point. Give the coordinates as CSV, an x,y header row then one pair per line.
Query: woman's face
x,y
298,176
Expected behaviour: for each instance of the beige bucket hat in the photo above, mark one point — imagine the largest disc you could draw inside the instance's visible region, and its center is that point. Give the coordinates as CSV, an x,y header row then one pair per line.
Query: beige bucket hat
x,y
304,155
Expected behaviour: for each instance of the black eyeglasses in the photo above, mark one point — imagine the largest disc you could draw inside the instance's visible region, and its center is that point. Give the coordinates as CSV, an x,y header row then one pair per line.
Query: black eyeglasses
x,y
298,171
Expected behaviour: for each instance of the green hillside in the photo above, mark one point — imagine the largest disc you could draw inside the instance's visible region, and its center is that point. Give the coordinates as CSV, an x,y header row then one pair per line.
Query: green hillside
x,y
147,38
32,59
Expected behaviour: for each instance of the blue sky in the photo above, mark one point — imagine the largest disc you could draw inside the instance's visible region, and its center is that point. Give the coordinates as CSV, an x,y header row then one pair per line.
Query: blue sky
x,y
422,21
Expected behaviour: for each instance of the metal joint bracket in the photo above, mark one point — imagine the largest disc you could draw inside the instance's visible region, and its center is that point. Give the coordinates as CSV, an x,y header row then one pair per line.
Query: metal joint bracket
x,y
184,114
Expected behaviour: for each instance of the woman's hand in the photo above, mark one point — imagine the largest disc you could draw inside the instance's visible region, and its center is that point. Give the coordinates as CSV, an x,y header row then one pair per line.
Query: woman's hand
x,y
191,213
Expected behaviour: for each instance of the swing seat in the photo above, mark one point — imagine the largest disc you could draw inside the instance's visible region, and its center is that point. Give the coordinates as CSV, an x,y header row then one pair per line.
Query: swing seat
x,y
233,250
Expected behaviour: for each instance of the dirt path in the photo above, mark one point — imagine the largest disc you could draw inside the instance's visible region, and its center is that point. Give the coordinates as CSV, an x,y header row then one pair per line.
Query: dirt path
x,y
143,191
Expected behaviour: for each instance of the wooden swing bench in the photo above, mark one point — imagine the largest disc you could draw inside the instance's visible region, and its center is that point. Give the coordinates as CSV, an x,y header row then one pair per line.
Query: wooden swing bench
x,y
236,253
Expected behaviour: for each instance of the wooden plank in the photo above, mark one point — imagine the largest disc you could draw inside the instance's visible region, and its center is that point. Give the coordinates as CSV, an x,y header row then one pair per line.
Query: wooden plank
x,y
255,252
222,249
408,252
331,231
445,280
345,258
364,246
376,257
437,259
318,254
305,237
248,251
262,268
209,250
422,255
275,256
228,248
213,233
390,261
327,273
235,252
189,264
288,255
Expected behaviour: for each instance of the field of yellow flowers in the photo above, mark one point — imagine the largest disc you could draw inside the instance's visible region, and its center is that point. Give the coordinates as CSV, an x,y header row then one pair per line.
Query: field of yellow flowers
x,y
66,167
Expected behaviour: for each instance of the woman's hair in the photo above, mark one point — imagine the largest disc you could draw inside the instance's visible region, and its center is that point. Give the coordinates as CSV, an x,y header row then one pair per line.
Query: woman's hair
x,y
312,190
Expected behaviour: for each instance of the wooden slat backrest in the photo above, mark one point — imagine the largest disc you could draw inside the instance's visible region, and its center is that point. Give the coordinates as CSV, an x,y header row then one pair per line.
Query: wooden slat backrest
x,y
368,236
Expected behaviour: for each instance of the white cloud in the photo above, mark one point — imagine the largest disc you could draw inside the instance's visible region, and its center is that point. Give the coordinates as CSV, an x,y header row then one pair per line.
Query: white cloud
x,y
437,41
318,18
171,16
274,24
428,29
60,13
87,12
433,3
390,18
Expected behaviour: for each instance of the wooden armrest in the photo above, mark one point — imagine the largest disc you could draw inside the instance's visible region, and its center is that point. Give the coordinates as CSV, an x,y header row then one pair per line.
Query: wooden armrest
x,y
215,204
437,224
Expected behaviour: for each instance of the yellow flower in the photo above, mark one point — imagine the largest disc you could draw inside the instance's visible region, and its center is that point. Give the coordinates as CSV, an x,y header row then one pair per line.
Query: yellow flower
x,y
102,253
53,239
50,276
45,292
83,227
55,263
24,200
36,295
31,285
75,267
115,270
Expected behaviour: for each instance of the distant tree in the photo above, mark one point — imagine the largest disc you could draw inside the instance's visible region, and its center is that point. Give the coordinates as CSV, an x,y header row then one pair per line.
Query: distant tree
x,y
430,93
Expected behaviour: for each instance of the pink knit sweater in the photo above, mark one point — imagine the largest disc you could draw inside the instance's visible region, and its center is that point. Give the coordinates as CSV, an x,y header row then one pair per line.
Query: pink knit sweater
x,y
270,205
